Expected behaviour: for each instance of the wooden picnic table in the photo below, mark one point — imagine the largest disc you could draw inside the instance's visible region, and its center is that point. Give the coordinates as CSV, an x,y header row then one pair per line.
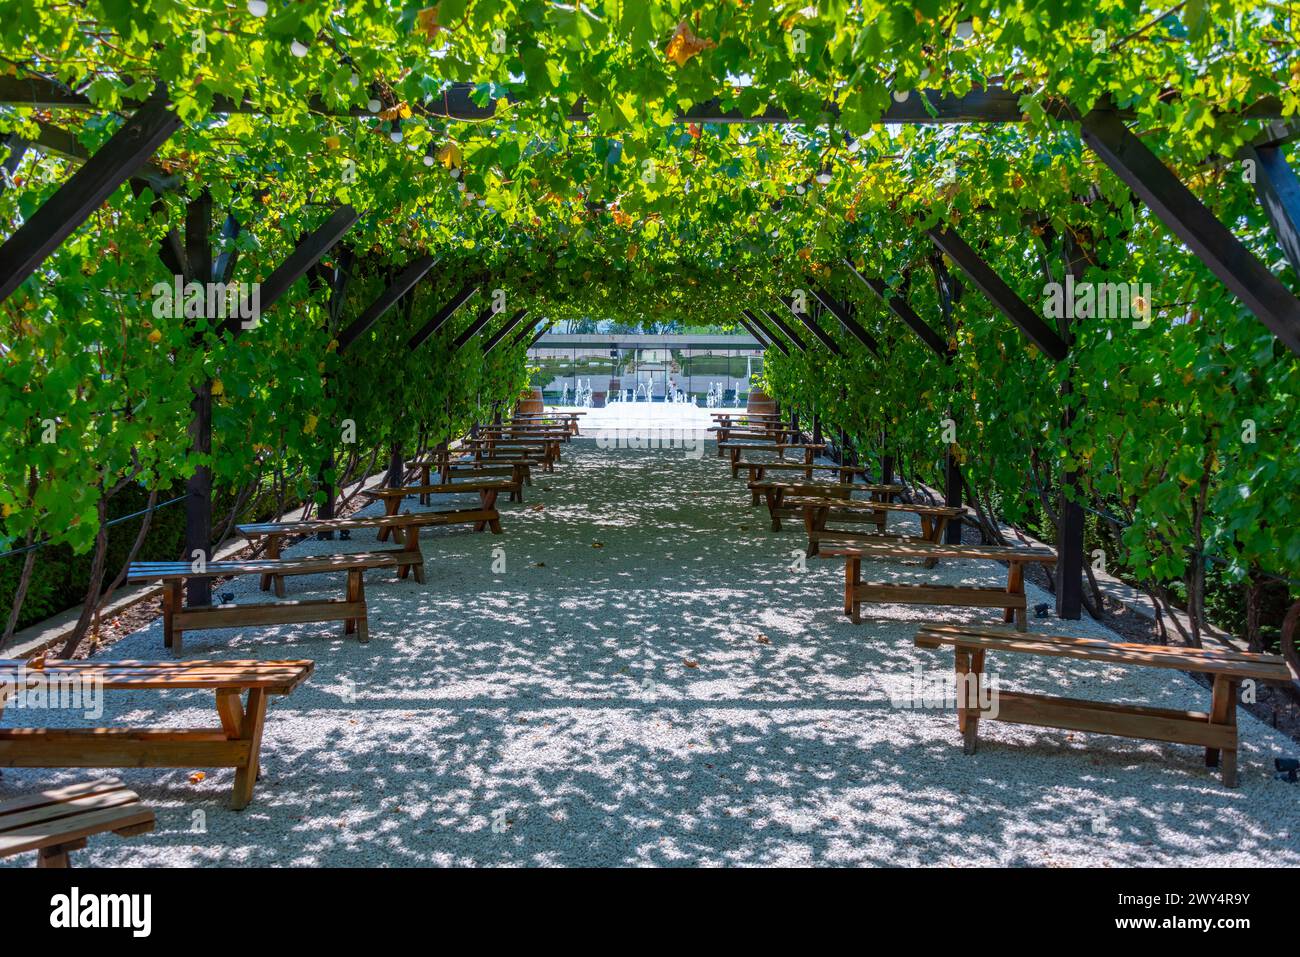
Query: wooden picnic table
x,y
818,510
547,453
235,743
779,496
54,823
408,557
350,609
1215,730
485,516
516,469
810,450
758,470
1011,599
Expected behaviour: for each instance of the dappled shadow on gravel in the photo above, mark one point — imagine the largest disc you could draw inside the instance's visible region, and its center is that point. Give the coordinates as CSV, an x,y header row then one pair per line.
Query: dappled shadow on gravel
x,y
652,680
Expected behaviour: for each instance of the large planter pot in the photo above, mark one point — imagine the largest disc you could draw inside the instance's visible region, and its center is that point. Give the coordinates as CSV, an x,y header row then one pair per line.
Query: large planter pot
x,y
598,400
760,402
530,400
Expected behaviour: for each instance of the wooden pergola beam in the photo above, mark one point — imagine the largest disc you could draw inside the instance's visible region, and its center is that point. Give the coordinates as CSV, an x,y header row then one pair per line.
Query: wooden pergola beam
x,y
60,142
994,104
1279,193
1105,133
113,164
405,281
482,319
527,331
851,325
510,324
543,330
810,324
748,326
998,292
440,317
785,329
900,307
767,333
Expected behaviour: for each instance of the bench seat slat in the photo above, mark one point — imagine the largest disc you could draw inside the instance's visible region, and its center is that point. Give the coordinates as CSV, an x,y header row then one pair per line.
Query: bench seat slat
x,y
1020,553
134,817
1207,661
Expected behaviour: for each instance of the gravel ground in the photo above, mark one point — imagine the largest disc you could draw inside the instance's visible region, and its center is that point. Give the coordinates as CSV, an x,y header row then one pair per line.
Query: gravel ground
x,y
651,682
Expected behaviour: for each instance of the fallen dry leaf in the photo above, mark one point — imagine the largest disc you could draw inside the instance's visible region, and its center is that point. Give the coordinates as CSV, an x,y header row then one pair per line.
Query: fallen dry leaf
x,y
763,640
197,776
597,544
539,507
691,664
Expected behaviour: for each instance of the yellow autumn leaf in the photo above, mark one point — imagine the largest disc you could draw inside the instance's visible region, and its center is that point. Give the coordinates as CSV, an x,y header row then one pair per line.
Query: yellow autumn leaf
x,y
450,156
333,142
684,44
155,337
632,250
218,388
427,21
309,426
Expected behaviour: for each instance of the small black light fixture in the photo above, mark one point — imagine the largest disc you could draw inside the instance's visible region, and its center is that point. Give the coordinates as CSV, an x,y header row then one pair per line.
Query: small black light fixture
x,y
1041,609
1287,769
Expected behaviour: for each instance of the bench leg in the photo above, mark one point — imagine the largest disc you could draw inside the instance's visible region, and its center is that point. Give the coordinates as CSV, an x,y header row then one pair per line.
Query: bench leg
x,y
970,666
272,552
1016,586
251,731
56,855
171,605
391,505
852,579
354,581
927,534
360,624
1223,710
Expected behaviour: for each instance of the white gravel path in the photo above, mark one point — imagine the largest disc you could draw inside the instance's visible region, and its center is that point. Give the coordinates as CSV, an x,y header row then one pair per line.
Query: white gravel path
x,y
556,701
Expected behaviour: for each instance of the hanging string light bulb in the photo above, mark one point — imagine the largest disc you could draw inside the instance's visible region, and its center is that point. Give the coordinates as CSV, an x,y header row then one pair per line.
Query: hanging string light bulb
x,y
257,8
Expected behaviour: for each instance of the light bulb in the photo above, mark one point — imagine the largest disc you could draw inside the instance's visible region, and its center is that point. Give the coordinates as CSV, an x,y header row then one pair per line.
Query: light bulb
x,y
428,160
824,178
354,81
257,7
298,49
374,106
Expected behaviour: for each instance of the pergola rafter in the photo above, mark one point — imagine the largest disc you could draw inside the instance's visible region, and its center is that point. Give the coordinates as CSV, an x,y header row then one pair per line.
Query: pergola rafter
x,y
492,341
113,164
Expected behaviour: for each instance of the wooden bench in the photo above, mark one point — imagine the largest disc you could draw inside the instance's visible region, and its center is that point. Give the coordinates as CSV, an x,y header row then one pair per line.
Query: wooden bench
x,y
810,450
350,609
545,454
485,516
733,433
818,511
1010,599
560,433
776,494
55,823
448,469
570,418
758,470
1215,730
408,558
235,743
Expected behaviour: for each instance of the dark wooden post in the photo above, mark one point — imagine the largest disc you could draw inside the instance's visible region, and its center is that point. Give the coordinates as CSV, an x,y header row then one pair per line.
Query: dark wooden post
x,y
1070,518
197,266
817,428
396,466
949,293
